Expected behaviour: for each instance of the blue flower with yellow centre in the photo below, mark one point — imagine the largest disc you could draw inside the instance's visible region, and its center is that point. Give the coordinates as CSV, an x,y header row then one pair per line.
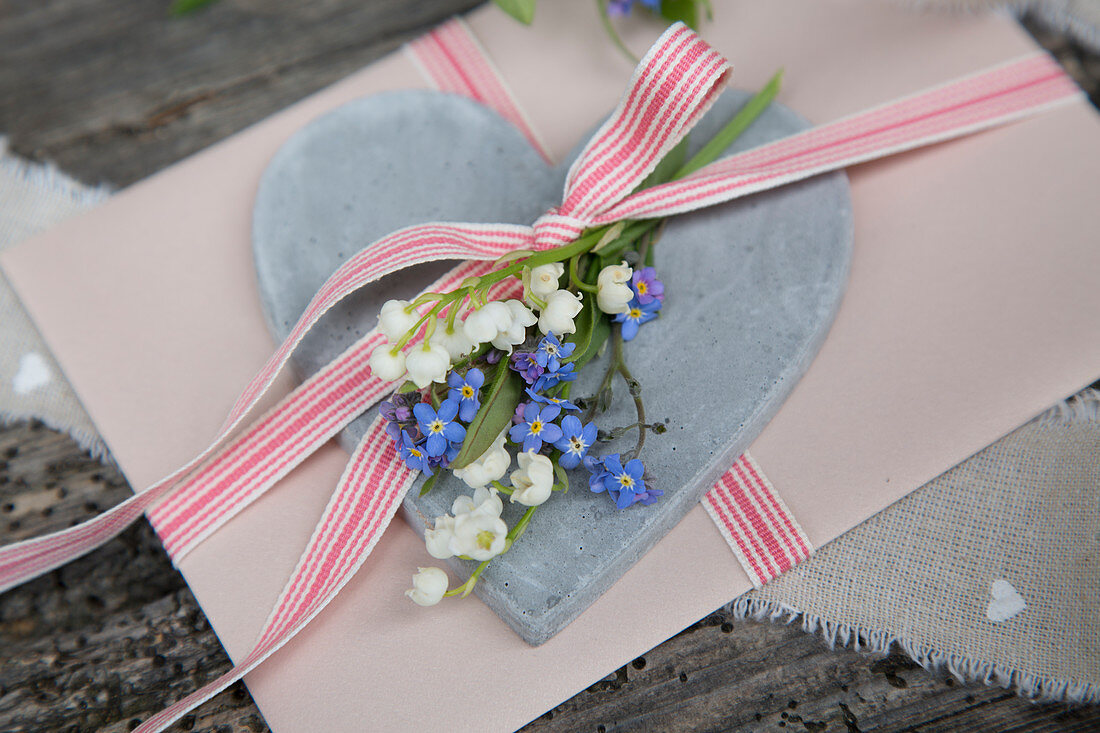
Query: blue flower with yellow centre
x,y
414,455
646,286
625,484
439,426
575,440
464,390
551,351
637,313
537,427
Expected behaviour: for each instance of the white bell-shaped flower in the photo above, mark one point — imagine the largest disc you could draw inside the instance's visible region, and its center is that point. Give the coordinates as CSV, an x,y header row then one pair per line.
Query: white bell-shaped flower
x,y
455,341
484,501
428,363
614,293
557,317
479,535
534,481
429,585
543,279
490,466
516,332
386,365
394,321
485,323
438,539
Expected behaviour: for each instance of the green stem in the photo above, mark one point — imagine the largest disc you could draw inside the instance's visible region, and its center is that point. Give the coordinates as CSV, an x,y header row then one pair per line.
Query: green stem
x,y
577,282
725,137
639,406
464,589
416,327
612,370
502,488
425,298
609,28
521,526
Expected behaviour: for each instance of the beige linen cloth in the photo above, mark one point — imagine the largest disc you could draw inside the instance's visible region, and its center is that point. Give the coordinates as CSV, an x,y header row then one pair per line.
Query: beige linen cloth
x,y
32,199
991,570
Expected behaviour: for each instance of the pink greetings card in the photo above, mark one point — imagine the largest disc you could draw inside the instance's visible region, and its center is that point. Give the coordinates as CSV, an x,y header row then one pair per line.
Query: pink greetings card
x,y
971,307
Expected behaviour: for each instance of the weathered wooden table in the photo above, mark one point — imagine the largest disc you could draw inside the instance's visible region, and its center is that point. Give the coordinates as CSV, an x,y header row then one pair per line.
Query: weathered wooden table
x,y
114,90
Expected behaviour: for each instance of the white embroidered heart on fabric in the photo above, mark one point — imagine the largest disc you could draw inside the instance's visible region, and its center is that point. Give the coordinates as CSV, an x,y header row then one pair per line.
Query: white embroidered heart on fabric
x,y
1005,603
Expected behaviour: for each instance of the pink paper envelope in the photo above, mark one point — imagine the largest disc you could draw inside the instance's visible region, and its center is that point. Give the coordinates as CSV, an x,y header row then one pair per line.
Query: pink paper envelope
x,y
971,307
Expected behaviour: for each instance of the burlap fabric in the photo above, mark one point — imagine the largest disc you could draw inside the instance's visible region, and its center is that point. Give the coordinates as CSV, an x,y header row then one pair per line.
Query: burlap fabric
x,y
1025,511
34,198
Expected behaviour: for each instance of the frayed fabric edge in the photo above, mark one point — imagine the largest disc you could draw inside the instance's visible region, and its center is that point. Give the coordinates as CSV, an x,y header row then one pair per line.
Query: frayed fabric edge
x,y
1031,686
1081,407
47,176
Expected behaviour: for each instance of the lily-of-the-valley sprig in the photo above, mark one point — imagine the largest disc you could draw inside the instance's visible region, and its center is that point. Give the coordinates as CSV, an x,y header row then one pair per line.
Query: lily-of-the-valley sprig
x,y
493,377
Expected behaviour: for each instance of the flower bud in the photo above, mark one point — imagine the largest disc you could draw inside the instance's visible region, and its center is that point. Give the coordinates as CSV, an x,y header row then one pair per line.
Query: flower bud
x,y
614,293
429,585
557,317
394,321
386,365
428,363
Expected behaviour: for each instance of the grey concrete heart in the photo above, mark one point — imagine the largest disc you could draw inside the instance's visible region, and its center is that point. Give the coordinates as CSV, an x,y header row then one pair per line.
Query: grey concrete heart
x,y
752,287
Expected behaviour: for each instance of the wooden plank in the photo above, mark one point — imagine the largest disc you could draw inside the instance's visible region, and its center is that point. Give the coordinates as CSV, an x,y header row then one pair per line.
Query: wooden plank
x,y
114,91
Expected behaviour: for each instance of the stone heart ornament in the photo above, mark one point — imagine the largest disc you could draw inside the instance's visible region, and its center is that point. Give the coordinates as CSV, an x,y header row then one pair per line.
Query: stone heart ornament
x,y
752,287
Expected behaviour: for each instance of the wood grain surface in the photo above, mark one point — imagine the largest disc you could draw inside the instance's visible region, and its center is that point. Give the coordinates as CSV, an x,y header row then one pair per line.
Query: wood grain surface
x,y
115,90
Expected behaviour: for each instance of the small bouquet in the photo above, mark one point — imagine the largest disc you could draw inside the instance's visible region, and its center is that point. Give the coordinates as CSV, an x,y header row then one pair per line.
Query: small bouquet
x,y
492,378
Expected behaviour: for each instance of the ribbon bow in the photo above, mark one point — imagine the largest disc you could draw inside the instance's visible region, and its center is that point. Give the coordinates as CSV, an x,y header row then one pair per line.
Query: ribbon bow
x,y
673,86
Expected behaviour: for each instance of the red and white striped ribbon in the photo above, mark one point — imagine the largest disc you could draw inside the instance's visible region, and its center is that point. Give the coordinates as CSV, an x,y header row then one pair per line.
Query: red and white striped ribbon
x,y
987,99
755,522
764,535
678,48
453,60
365,501
675,83
274,445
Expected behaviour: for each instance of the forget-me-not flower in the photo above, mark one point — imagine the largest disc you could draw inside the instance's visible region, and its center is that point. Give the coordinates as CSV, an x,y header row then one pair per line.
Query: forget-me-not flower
x,y
439,426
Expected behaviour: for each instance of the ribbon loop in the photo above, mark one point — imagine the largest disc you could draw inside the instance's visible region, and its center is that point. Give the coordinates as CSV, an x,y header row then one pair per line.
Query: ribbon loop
x,y
672,88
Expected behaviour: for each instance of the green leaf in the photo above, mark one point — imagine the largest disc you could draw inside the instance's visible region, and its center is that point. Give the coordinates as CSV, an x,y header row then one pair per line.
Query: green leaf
x,y
497,407
521,10
666,169
183,7
733,129
428,484
684,10
610,237
407,387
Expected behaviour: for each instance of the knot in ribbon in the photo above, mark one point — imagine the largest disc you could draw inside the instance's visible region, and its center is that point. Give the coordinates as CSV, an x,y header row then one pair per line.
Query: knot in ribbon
x,y
555,229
